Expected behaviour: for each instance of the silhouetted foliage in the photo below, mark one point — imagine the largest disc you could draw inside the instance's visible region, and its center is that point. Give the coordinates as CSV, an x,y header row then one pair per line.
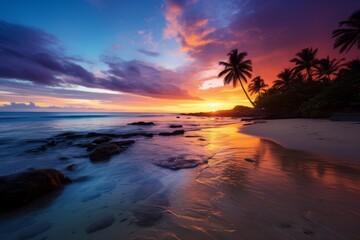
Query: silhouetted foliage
x,y
348,34
257,85
237,70
338,90
306,60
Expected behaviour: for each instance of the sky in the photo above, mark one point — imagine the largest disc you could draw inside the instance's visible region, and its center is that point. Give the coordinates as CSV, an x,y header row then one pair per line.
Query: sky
x,y
156,56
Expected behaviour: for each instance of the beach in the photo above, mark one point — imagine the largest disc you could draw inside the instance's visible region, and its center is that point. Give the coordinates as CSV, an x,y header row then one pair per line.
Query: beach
x,y
209,182
339,140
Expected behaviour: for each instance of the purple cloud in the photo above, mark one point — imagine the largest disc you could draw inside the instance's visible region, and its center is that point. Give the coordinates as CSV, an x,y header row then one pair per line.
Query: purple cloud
x,y
149,53
144,79
33,55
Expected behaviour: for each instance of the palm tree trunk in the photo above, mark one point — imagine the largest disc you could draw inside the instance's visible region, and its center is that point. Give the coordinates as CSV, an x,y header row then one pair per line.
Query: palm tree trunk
x,y
309,74
246,93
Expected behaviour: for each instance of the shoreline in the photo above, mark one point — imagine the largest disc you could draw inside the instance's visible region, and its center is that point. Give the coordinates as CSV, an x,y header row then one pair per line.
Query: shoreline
x,y
340,140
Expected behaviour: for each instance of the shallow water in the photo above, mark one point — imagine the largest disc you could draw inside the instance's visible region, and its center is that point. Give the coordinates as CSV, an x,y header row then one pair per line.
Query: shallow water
x,y
284,194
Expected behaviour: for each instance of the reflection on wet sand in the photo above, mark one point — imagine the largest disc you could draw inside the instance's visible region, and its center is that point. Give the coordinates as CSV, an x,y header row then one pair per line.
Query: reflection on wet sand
x,y
276,193
283,194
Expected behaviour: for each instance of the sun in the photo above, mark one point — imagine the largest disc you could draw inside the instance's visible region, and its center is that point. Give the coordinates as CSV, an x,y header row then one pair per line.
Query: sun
x,y
214,106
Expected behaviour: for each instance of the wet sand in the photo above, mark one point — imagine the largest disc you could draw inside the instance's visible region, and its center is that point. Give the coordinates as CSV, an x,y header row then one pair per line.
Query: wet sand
x,y
280,194
340,140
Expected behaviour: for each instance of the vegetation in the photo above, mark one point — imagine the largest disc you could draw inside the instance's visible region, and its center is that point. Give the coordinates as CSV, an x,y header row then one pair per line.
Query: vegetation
x,y
346,37
237,70
313,87
257,85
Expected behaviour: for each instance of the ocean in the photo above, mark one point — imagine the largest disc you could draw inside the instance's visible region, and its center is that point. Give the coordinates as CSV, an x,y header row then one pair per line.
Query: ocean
x,y
280,194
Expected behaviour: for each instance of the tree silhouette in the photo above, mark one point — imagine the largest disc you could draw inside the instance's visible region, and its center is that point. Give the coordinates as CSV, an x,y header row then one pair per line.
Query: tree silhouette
x,y
327,68
306,60
348,34
237,70
286,77
257,85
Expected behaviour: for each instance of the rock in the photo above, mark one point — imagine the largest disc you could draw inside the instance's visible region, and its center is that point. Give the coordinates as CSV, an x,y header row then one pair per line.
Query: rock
x,y
175,126
34,231
20,189
91,146
177,132
307,231
177,117
100,224
105,150
247,124
102,140
64,158
52,143
202,139
142,123
179,162
249,160
71,167
129,135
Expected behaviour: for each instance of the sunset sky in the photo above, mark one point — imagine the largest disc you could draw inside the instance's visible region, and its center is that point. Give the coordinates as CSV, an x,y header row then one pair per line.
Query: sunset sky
x,y
111,55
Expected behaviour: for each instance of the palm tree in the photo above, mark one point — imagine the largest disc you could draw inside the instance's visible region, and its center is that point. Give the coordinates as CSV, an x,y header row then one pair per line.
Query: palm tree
x,y
351,69
286,77
257,85
346,37
327,68
306,60
237,70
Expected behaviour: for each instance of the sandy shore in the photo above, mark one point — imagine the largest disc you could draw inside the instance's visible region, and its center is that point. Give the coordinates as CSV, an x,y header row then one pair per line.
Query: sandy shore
x,y
340,140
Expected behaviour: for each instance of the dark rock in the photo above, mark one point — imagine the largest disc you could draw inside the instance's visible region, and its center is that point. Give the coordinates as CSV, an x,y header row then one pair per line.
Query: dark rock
x,y
176,163
142,123
102,140
247,124
177,132
91,146
129,135
192,136
175,126
64,158
307,231
34,231
177,117
100,224
52,143
249,160
20,189
70,135
71,167
42,148
105,150
202,139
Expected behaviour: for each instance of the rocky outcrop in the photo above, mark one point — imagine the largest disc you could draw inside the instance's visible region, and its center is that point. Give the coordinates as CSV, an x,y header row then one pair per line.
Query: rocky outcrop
x,y
177,132
142,123
20,189
175,126
180,162
105,150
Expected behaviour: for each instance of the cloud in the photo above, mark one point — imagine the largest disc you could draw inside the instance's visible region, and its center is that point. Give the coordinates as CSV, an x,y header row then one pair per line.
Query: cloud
x,y
34,55
41,61
207,30
149,53
142,78
32,107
